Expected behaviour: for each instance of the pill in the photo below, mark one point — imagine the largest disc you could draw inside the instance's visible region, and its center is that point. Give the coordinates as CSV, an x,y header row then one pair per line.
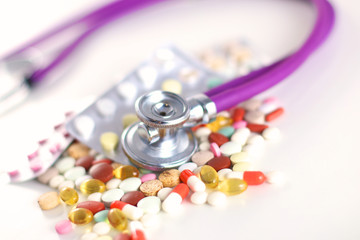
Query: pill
x,y
106,107
151,204
190,165
113,183
202,132
258,128
122,236
126,171
65,164
254,150
242,166
219,163
48,175
130,184
91,186
111,195
172,85
193,182
137,230
274,115
63,227
102,172
129,119
78,150
241,135
151,188
204,146
147,75
239,157
239,124
84,125
85,162
80,216
92,206
255,139
232,186
217,199
267,108
174,199
202,157
214,148
79,181
163,193
132,197
275,177
96,196
209,176
74,173
56,181
89,236
118,219
36,165
199,198
49,200
271,133
234,174
102,160
150,220
238,114
101,216
69,195
127,91
251,104
227,131
214,82
101,228
255,117
170,178
148,177
109,141
230,148
217,138
223,172
224,114
66,183
132,212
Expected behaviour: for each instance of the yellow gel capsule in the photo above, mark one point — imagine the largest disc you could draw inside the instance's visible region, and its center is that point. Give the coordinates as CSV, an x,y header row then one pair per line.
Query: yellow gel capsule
x,y
232,186
109,141
80,216
209,176
129,119
126,171
171,85
118,219
69,195
90,186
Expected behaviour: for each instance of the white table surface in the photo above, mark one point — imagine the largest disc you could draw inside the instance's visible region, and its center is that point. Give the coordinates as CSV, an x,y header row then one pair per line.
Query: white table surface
x,y
318,151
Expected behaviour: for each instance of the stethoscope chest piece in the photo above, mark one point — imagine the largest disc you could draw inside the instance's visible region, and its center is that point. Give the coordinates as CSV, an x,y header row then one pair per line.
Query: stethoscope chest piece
x,y
160,141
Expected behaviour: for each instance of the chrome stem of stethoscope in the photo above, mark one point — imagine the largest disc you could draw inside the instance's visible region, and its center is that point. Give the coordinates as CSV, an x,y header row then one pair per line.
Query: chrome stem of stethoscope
x,y
163,139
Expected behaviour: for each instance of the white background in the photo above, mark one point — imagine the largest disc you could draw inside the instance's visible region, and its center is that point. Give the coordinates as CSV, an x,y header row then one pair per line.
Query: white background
x,y
319,150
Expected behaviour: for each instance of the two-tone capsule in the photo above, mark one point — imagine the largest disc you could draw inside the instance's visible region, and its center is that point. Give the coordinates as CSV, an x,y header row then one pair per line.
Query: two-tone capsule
x,y
132,212
176,196
193,182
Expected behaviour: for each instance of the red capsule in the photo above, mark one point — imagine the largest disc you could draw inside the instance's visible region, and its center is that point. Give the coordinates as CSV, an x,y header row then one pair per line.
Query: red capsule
x,y
254,177
274,114
238,114
217,138
85,162
93,206
258,128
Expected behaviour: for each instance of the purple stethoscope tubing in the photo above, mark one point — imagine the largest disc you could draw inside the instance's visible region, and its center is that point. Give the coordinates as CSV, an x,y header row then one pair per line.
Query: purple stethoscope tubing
x,y
225,95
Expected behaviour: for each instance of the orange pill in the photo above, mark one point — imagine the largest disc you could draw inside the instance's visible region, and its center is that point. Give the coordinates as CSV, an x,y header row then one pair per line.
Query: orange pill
x,y
274,114
258,128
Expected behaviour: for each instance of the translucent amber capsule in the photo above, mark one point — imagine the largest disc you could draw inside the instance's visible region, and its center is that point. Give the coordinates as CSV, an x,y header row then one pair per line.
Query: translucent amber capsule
x,y
80,216
118,219
209,176
126,171
90,186
69,195
232,186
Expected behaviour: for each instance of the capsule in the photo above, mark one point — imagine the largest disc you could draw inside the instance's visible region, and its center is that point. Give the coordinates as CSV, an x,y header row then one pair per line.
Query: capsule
x,y
193,182
209,176
250,177
132,212
80,216
118,219
137,231
126,171
69,195
176,196
232,186
90,186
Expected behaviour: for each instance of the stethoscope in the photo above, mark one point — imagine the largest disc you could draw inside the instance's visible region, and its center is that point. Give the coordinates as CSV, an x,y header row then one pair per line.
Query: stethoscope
x,y
163,138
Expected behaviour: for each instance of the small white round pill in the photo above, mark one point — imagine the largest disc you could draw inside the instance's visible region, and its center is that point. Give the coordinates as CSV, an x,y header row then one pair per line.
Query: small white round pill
x,y
111,195
95,197
222,173
199,198
106,107
230,148
113,183
79,180
74,173
190,165
65,164
67,183
202,132
101,228
217,199
241,135
271,133
275,177
56,181
130,184
84,125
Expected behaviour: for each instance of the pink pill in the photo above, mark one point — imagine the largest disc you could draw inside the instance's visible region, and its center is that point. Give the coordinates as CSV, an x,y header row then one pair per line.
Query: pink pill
x,y
13,173
239,124
214,148
33,155
55,148
63,227
148,177
35,165
272,100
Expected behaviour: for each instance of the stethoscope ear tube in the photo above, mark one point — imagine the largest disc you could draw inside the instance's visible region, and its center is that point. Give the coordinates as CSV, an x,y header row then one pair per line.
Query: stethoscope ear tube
x,y
243,88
